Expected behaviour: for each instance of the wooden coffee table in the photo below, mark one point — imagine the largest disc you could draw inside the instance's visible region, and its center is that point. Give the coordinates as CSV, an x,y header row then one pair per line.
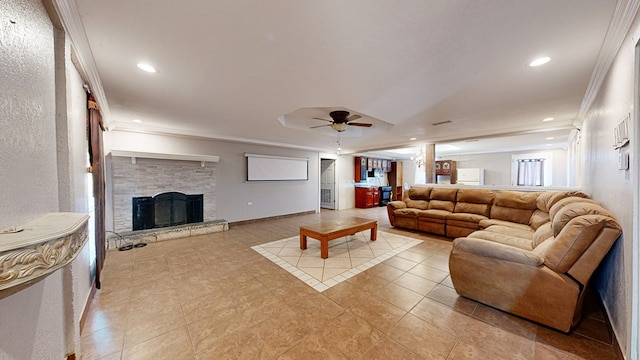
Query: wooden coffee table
x,y
329,230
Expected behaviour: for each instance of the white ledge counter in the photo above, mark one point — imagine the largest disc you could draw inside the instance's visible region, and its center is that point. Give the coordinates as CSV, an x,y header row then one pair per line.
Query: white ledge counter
x,y
42,246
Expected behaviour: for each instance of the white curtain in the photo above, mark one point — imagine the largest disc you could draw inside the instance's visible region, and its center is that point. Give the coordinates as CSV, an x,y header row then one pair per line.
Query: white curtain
x,y
531,172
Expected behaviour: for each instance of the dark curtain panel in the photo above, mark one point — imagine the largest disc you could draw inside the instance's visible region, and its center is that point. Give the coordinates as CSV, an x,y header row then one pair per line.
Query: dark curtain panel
x,y
95,127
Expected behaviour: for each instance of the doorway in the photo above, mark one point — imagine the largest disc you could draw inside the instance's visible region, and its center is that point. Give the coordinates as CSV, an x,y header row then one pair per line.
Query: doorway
x,y
328,184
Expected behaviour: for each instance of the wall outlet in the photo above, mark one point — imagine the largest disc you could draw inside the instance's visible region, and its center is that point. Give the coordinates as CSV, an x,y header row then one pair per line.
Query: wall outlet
x,y
250,203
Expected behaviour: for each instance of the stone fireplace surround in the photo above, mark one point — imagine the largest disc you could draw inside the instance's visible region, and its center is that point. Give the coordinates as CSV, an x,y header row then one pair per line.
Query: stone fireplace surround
x,y
143,174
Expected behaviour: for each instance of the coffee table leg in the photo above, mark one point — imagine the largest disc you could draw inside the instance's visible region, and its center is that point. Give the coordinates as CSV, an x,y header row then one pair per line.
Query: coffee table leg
x,y
303,241
374,232
324,248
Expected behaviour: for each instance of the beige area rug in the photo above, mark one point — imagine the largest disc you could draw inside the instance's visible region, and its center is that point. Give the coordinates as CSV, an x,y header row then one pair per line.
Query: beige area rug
x,y
348,256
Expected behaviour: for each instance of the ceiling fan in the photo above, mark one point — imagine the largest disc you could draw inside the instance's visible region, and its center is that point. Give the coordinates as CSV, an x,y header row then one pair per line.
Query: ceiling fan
x,y
341,120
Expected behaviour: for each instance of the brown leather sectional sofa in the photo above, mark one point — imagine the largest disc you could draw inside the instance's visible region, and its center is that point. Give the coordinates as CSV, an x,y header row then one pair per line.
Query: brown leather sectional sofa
x,y
528,253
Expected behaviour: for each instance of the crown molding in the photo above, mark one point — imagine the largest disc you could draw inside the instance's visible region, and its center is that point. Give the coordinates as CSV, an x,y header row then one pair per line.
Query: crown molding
x,y
72,24
621,21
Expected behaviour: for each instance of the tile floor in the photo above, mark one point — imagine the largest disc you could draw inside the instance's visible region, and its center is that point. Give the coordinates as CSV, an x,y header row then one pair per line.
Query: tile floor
x,y
213,297
348,256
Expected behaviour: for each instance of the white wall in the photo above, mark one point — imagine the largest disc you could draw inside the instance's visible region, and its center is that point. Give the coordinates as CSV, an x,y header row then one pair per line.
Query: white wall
x,y
78,279
233,192
41,321
346,190
613,187
497,166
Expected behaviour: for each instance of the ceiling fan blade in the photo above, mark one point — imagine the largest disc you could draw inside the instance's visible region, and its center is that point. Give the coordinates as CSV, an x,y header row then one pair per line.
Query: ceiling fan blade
x,y
319,126
322,119
360,124
353,117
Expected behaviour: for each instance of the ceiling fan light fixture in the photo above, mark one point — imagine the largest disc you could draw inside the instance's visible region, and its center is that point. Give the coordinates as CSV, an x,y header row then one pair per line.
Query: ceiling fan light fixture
x,y
339,127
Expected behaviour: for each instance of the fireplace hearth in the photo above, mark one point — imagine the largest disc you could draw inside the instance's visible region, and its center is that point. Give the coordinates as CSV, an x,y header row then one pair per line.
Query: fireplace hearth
x,y
166,209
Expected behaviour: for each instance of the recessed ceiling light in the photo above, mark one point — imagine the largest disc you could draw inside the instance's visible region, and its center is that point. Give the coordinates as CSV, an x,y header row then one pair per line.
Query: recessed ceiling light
x,y
146,67
549,138
339,148
548,119
549,144
136,120
413,139
540,61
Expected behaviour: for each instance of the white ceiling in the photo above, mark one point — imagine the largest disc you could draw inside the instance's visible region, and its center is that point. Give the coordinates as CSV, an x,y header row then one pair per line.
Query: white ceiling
x,y
235,69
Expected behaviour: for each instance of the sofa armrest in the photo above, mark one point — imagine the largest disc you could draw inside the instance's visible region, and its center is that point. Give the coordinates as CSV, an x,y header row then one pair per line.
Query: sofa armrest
x,y
496,251
393,206
397,204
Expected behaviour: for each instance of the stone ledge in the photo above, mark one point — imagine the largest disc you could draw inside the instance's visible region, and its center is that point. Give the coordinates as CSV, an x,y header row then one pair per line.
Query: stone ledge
x,y
116,240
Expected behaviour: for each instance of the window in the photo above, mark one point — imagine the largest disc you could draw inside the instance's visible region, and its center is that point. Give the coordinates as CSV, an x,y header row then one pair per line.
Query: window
x,y
530,172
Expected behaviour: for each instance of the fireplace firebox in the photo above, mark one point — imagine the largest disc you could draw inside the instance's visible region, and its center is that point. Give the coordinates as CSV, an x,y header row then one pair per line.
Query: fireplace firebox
x,y
166,209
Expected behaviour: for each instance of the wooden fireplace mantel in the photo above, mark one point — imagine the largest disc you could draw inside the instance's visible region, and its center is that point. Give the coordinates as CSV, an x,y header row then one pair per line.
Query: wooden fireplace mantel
x,y
33,250
164,156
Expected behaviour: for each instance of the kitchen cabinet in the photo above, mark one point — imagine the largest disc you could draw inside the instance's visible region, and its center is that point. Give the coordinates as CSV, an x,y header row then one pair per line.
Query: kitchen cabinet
x,y
367,197
364,164
361,169
395,179
446,169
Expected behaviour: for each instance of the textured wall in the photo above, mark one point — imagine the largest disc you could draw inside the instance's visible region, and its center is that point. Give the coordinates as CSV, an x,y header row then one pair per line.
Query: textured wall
x,y
41,321
28,166
27,113
612,187
149,177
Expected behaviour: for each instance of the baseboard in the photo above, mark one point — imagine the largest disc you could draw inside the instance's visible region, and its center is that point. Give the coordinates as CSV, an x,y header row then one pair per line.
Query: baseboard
x,y
607,321
616,347
244,222
87,305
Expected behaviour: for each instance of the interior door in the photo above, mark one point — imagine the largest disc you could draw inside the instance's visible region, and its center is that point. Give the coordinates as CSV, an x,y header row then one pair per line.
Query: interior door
x,y
327,184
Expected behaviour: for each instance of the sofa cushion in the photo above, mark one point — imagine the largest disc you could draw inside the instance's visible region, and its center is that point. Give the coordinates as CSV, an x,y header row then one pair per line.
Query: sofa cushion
x,y
493,251
538,218
446,194
513,231
577,235
419,193
407,212
474,201
490,222
566,201
466,217
573,210
441,205
547,199
543,202
514,206
480,209
521,243
417,204
475,196
425,215
543,233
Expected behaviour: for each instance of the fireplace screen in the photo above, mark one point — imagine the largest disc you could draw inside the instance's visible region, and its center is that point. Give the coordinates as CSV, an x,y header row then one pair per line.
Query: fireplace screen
x,y
166,209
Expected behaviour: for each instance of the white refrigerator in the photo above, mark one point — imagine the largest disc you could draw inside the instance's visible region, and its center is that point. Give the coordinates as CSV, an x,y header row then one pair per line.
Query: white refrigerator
x,y
472,176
